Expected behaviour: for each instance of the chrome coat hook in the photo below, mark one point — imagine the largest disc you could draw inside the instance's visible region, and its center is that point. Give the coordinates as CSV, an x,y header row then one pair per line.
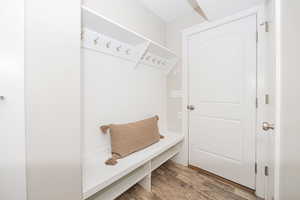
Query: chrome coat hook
x,y
119,48
96,40
128,52
108,44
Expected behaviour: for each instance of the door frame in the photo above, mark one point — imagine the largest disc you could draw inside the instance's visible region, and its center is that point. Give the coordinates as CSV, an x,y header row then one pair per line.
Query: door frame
x,y
259,11
13,180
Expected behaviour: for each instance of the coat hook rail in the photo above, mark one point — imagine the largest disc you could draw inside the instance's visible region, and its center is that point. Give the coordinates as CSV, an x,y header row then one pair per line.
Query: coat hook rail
x,y
92,40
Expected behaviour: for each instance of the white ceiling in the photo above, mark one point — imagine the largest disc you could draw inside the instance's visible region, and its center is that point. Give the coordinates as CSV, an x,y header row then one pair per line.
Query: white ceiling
x,y
214,9
170,10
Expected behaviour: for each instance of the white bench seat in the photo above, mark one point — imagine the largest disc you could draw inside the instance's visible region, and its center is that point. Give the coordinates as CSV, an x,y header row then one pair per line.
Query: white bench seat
x,y
97,176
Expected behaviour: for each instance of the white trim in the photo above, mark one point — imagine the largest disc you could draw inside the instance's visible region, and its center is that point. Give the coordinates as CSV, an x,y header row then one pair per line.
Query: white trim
x,y
278,98
259,11
261,187
185,99
208,25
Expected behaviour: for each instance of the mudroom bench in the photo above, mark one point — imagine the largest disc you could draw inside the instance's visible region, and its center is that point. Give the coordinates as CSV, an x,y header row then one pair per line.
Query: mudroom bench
x,y
103,182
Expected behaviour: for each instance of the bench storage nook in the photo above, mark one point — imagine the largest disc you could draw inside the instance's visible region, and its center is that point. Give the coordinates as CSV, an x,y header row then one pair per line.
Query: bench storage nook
x,y
124,78
103,182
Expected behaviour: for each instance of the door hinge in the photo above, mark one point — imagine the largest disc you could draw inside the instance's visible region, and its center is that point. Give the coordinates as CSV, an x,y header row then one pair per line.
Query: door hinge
x,y
266,25
256,102
256,36
267,99
255,168
266,171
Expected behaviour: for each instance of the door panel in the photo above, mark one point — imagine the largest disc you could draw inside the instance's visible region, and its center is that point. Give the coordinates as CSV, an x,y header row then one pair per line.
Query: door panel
x,y
222,87
211,129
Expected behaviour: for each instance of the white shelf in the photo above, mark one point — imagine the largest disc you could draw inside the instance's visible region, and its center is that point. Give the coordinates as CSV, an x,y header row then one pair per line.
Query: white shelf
x,y
103,35
97,175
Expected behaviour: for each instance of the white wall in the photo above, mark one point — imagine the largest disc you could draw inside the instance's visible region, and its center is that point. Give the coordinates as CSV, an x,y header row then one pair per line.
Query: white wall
x,y
290,98
52,36
131,14
12,123
131,89
215,9
174,42
115,92
174,81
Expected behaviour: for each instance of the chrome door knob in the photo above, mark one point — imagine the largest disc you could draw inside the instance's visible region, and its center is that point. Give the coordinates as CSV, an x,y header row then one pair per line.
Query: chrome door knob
x,y
2,98
267,126
191,107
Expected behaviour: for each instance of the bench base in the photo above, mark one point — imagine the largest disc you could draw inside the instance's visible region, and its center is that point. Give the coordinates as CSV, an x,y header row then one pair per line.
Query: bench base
x,y
140,175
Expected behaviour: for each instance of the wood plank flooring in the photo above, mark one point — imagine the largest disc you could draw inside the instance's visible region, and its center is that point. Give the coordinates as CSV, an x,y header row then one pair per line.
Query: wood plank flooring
x,y
175,182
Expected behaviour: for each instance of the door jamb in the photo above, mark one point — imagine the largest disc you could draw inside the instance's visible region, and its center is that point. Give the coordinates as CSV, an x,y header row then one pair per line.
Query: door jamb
x,y
259,11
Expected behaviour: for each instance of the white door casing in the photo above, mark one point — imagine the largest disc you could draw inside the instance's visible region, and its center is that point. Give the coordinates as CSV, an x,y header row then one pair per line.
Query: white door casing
x,y
12,119
222,87
267,96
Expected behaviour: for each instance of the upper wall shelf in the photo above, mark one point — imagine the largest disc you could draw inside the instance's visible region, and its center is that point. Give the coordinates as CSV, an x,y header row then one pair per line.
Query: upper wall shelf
x,y
103,35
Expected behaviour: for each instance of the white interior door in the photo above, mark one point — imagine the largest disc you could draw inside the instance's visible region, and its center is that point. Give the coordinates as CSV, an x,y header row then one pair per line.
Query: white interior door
x,y
222,88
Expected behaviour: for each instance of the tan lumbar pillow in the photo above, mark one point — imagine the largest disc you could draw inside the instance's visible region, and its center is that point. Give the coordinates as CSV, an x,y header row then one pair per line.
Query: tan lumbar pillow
x,y
131,137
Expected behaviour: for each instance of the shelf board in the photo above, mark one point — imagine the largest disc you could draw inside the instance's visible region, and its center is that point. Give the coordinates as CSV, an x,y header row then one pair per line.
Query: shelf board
x,y
102,25
96,22
161,51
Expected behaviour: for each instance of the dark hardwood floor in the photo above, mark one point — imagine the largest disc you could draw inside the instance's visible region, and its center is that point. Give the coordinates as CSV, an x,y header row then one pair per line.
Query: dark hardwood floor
x,y
175,182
